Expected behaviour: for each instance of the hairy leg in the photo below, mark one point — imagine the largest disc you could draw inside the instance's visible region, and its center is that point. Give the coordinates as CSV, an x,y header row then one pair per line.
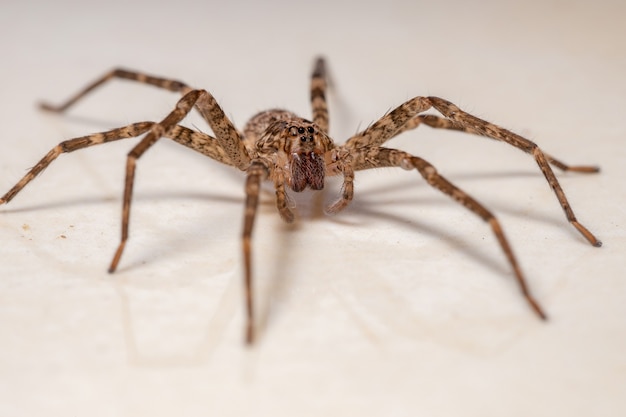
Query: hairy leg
x,y
229,138
256,173
318,95
198,141
167,127
71,145
443,123
383,157
164,128
171,85
392,123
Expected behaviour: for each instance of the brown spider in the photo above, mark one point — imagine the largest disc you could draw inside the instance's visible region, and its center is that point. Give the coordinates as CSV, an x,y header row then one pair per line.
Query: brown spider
x,y
298,153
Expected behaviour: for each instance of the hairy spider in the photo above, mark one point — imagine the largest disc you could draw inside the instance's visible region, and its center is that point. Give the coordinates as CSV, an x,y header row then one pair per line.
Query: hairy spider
x,y
297,153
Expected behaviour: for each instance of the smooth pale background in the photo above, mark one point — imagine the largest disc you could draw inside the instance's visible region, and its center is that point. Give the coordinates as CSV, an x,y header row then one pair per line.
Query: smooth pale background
x,y
403,305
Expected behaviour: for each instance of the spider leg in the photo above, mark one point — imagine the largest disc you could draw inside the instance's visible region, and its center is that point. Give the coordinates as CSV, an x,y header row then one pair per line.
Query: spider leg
x,y
227,147
389,125
495,132
256,173
392,123
318,95
347,192
377,157
282,199
342,162
227,135
71,145
443,123
205,102
198,141
171,85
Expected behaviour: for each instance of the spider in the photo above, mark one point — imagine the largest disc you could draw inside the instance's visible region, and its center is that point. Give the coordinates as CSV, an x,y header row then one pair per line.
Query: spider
x,y
297,153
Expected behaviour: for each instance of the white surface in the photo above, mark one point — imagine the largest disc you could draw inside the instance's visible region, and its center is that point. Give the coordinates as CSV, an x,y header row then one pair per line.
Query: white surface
x,y
402,305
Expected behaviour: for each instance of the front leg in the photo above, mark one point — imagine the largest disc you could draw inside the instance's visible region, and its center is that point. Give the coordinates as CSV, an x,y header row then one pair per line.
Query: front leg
x,y
389,125
341,163
228,137
157,130
256,173
165,128
405,115
492,131
282,199
384,157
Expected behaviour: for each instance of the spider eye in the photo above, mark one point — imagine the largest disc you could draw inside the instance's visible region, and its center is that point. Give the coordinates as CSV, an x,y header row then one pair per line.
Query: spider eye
x,y
310,129
300,130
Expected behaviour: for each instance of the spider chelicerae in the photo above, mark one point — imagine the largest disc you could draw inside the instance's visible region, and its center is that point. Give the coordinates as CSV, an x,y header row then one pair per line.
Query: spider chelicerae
x,y
297,153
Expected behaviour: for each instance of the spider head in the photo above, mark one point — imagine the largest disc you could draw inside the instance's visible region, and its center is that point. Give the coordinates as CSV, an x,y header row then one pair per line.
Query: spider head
x,y
299,148
306,147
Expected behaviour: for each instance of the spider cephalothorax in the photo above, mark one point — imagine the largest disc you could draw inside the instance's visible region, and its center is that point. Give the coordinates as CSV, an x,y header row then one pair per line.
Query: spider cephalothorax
x,y
298,148
293,152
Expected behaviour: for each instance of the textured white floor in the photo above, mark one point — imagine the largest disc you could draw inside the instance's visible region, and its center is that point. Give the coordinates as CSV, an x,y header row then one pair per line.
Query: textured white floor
x,y
403,305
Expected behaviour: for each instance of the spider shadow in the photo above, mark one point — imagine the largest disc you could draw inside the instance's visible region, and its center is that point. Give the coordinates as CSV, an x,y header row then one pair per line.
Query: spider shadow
x,y
370,203
497,208
176,242
278,280
373,199
138,197
199,352
366,207
91,124
422,228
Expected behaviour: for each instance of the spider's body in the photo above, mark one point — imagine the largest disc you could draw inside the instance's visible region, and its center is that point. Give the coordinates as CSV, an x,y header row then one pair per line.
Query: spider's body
x,y
293,148
296,153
